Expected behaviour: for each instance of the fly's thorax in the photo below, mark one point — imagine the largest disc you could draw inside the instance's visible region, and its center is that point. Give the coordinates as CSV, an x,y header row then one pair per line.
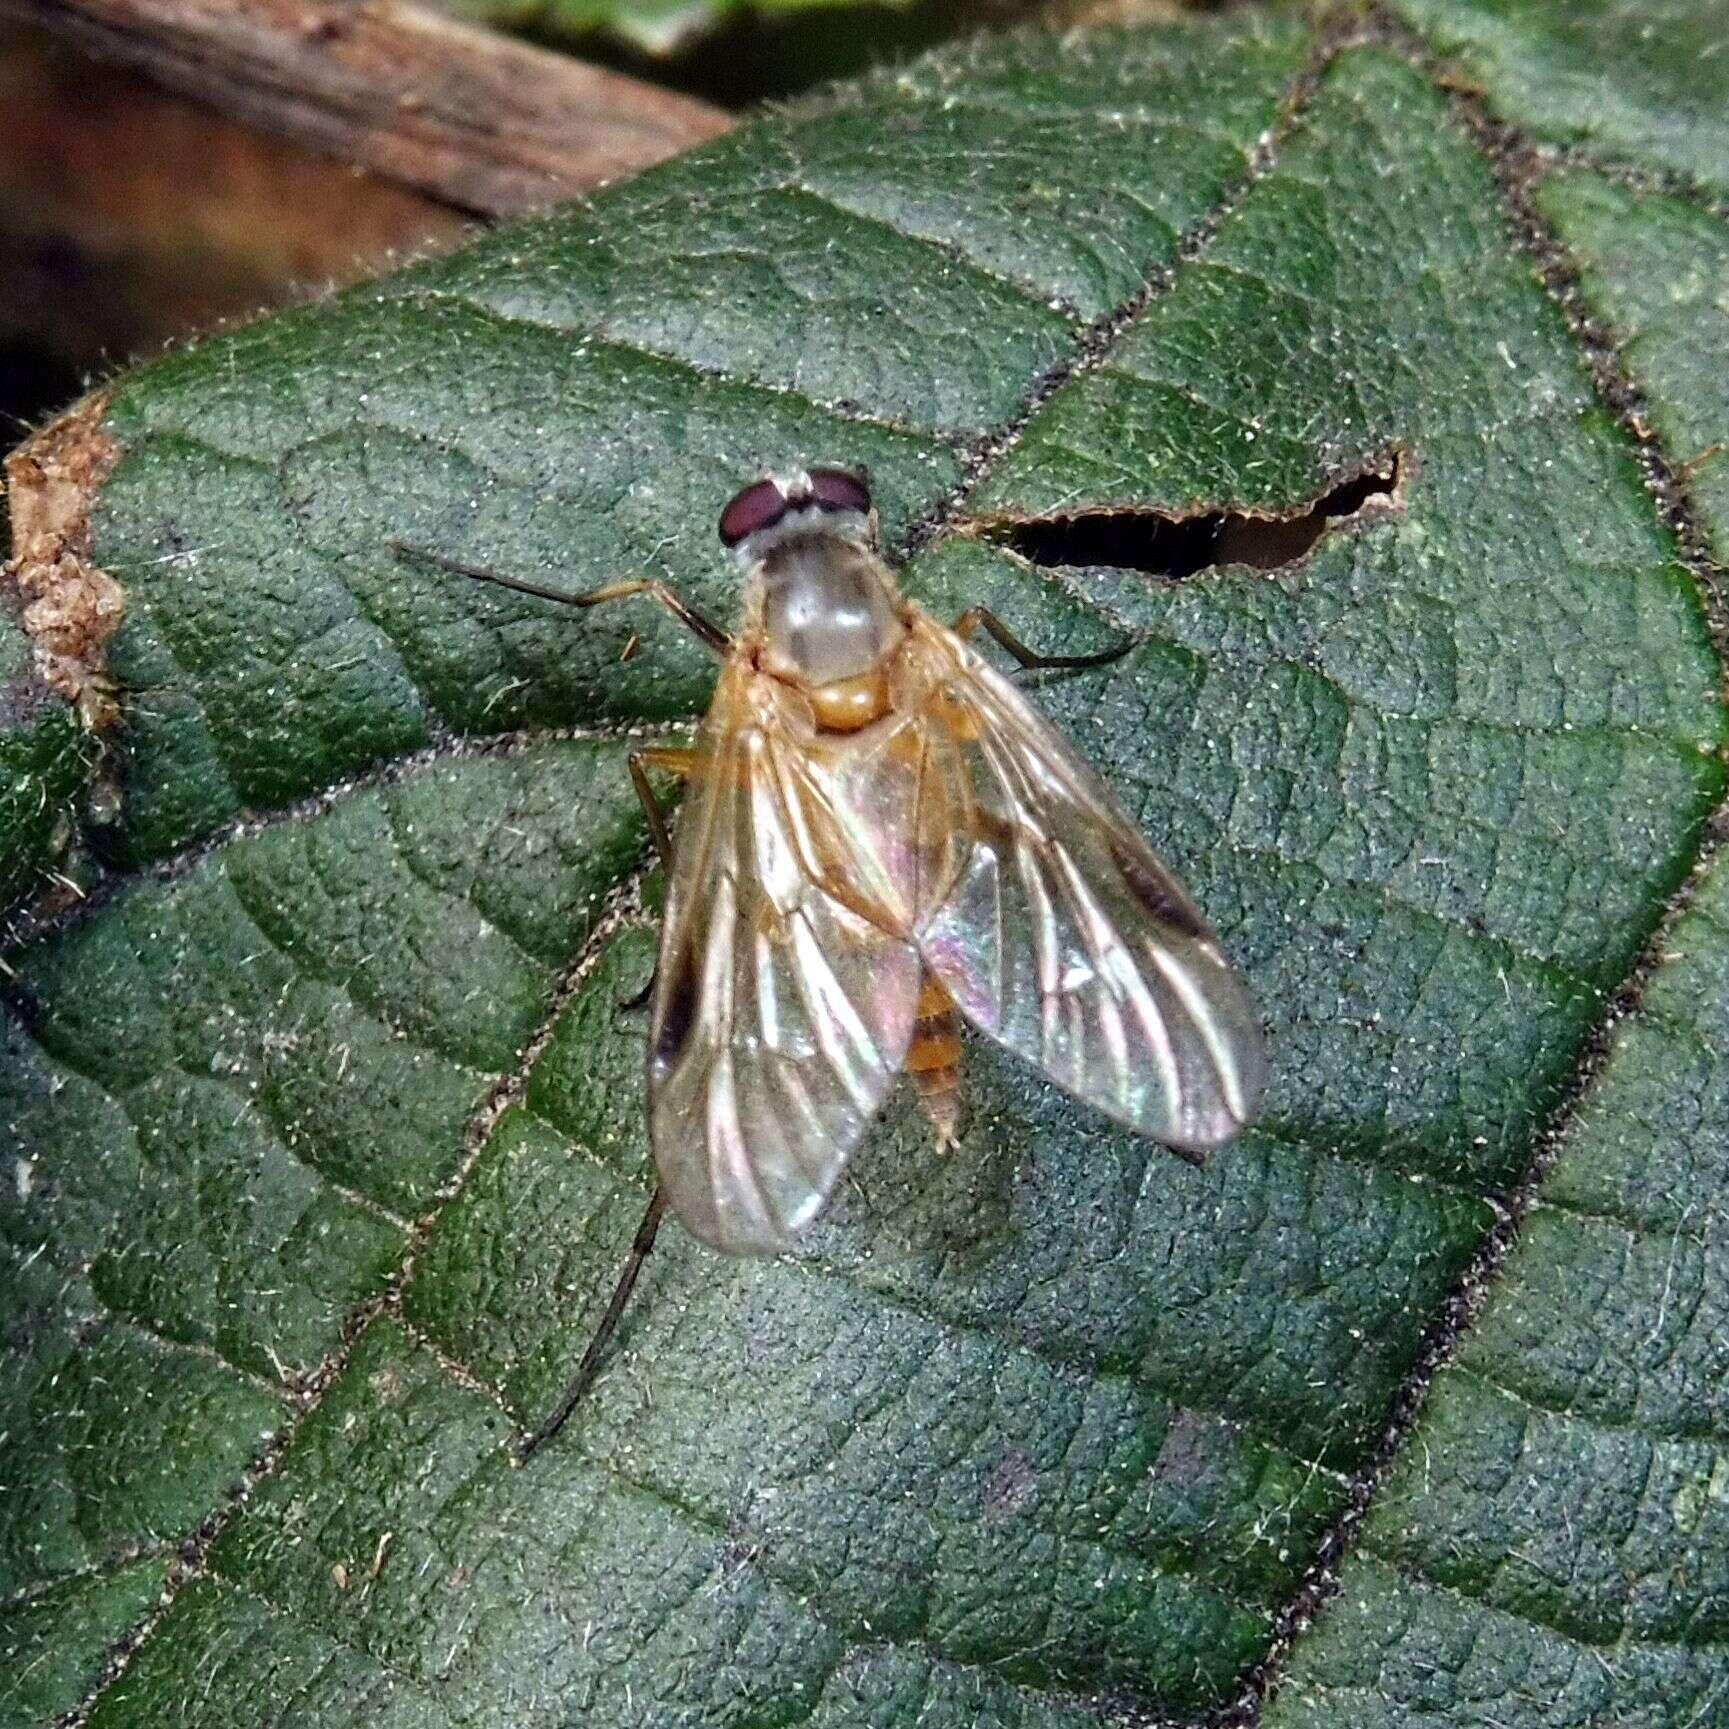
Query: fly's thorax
x,y
829,610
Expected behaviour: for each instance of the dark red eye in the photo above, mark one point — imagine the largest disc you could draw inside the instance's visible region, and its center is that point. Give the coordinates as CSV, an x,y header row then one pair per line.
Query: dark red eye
x,y
835,489
760,505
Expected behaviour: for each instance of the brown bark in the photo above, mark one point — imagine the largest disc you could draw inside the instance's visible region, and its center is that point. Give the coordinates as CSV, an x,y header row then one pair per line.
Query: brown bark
x,y
325,140
130,216
467,117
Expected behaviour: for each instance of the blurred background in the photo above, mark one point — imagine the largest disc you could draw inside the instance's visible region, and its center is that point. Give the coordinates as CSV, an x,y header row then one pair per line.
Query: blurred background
x,y
170,165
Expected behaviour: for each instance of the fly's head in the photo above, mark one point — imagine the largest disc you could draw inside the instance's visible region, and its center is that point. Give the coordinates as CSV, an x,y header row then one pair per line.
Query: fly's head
x,y
806,542
800,502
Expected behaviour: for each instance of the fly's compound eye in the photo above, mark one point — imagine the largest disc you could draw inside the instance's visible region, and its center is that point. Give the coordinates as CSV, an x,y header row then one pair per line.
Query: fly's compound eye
x,y
835,489
759,506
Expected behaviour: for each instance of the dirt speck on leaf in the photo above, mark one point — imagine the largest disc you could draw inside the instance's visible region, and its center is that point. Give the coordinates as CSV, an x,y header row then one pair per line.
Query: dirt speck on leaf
x,y
1185,1455
71,607
1009,1484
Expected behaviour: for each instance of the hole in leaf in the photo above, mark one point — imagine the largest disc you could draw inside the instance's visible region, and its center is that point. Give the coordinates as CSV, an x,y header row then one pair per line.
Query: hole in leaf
x,y
1157,543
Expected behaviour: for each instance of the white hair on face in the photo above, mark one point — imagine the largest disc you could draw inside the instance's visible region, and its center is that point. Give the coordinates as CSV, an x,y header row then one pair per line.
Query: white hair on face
x,y
803,520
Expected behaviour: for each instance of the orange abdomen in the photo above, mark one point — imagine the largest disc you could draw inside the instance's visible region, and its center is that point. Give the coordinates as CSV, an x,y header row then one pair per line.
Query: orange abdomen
x,y
934,1059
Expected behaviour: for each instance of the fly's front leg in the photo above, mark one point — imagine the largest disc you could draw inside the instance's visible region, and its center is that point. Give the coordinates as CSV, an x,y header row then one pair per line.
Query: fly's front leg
x,y
663,594
666,596
981,617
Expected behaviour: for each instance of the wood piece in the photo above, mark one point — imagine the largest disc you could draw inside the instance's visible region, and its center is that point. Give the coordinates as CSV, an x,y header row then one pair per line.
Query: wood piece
x,y
471,118
130,216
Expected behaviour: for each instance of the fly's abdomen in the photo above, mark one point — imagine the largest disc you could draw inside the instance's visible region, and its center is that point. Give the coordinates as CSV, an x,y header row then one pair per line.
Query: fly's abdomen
x,y
934,1059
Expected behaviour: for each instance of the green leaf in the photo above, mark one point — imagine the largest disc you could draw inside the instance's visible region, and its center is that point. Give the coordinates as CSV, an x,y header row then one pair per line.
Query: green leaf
x,y
1652,269
45,759
56,1641
1549,1545
739,52
328,1112
58,612
658,26
1550,1548
1641,79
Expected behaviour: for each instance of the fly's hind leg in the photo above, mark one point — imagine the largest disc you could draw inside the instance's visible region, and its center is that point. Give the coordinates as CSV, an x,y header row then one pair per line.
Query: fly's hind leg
x,y
674,760
587,1369
981,617
671,760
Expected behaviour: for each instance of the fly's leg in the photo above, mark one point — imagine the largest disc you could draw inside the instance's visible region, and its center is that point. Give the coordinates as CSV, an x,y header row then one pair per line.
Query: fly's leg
x,y
670,759
663,594
590,1364
674,760
981,617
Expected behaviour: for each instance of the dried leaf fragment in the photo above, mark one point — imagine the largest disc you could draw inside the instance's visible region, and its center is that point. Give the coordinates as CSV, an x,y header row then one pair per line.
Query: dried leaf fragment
x,y
71,607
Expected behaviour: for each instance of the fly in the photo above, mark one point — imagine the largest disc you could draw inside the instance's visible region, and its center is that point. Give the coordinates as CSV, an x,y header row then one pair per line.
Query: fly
x,y
882,837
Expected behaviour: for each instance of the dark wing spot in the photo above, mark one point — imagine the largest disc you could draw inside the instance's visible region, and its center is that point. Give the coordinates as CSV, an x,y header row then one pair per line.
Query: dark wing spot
x,y
1162,898
677,1015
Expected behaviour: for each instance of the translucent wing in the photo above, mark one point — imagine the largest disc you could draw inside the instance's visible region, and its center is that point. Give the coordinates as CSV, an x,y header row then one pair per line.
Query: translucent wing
x,y
785,999
1057,930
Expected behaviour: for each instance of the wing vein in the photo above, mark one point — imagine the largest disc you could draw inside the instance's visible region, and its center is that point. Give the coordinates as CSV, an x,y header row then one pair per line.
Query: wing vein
x,y
1062,935
782,1011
